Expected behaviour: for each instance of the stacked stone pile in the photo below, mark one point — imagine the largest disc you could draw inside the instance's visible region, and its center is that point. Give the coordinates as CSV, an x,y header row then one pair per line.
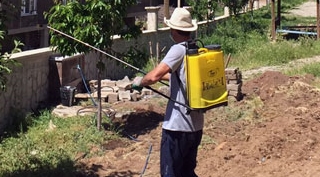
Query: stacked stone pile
x,y
234,83
113,91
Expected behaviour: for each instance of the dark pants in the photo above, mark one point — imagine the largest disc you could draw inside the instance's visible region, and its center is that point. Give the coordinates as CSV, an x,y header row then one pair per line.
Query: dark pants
x,y
178,155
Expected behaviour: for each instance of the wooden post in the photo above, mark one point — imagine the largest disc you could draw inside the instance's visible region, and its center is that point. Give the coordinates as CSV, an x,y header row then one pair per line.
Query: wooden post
x,y
278,14
166,8
228,60
318,19
273,21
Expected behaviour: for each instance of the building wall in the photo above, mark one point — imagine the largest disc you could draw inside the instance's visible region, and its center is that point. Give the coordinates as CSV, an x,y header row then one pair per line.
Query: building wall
x,y
31,20
27,28
30,29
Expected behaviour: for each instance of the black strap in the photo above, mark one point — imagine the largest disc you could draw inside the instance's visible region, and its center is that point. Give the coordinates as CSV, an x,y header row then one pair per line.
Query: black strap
x,y
184,92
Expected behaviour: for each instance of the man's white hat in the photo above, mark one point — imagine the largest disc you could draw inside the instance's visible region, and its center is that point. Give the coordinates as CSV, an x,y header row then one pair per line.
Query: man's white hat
x,y
181,20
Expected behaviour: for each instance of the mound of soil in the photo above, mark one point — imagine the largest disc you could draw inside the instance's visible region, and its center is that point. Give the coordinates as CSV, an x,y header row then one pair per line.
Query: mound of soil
x,y
281,137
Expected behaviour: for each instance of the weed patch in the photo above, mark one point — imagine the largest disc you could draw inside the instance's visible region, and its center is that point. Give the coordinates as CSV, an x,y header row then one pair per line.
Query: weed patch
x,y
49,146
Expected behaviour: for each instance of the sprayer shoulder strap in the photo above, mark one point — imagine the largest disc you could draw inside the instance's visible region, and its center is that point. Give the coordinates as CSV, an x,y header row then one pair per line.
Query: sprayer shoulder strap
x,y
184,92
182,88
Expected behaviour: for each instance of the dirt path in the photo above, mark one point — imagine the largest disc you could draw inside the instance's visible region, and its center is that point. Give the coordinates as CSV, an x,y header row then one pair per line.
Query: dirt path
x,y
296,64
308,9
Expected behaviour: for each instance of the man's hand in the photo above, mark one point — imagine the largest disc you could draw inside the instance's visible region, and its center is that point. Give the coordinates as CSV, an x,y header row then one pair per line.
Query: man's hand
x,y
136,84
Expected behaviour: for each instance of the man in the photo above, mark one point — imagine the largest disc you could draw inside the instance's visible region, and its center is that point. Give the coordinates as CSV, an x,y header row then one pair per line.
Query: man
x,y
182,129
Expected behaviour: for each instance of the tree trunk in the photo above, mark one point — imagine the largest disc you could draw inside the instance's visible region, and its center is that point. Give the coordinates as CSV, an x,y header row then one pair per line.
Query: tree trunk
x,y
99,117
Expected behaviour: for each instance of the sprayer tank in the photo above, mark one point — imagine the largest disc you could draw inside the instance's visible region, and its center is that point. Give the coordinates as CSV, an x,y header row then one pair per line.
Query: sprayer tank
x,y
206,81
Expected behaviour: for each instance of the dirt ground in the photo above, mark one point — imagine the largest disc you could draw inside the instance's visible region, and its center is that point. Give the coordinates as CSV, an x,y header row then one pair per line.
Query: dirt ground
x,y
277,135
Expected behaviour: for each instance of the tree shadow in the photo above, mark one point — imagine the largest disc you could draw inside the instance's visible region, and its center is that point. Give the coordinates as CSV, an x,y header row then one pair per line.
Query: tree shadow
x,y
20,121
64,168
94,169
136,123
123,174
142,122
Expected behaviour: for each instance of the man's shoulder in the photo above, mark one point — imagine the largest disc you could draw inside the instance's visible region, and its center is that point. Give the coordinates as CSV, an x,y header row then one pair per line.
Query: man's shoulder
x,y
178,47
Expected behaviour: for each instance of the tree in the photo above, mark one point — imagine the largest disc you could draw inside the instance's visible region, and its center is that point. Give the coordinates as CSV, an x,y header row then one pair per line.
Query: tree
x,y
94,22
6,63
203,9
236,6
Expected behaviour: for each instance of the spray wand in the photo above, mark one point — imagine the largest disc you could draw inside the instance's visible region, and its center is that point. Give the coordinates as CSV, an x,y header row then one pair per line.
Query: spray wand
x,y
101,51
123,62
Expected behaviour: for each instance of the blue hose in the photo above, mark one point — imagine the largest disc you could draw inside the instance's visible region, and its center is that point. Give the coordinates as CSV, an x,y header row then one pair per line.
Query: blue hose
x,y
85,84
132,138
146,164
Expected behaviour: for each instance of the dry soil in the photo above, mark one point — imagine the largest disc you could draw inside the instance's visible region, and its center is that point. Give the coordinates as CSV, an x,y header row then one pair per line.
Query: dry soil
x,y
278,135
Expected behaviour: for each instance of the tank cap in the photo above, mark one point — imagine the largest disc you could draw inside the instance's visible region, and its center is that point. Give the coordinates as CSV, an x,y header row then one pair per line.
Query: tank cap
x,y
213,47
192,51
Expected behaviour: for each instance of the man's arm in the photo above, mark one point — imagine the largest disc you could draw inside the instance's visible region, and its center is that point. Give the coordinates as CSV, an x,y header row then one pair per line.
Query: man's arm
x,y
166,77
160,72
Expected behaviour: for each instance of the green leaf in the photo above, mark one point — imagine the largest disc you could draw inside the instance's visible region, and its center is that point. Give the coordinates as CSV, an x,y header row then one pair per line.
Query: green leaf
x,y
93,22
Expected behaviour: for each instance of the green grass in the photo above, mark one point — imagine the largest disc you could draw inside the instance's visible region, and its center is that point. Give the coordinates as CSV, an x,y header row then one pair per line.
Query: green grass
x,y
45,151
295,21
247,39
313,69
270,54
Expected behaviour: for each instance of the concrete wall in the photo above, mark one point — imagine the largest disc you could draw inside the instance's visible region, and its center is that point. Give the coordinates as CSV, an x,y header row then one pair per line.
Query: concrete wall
x,y
27,85
114,68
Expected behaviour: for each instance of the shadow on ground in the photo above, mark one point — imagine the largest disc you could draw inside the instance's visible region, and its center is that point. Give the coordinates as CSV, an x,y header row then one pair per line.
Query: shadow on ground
x,y
136,123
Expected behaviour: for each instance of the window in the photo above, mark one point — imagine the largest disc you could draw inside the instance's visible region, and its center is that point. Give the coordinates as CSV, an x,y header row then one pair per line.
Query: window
x,y
28,7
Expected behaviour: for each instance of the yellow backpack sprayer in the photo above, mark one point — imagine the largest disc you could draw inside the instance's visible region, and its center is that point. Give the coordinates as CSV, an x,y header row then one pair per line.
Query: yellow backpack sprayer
x,y
205,77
